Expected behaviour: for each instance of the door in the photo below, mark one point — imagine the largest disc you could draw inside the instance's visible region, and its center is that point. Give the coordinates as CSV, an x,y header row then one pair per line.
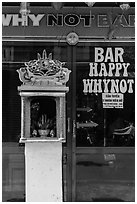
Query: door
x,y
102,142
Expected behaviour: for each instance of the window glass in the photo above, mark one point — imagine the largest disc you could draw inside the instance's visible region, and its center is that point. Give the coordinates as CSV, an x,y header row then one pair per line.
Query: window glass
x,y
25,51
105,97
14,54
43,117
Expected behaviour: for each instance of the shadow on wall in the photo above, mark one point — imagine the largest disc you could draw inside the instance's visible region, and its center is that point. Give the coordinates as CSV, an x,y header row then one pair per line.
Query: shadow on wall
x,y
107,200
90,163
16,200
93,200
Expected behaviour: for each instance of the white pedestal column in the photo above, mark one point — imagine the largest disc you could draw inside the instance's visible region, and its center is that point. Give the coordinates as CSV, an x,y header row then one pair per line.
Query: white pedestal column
x,y
43,163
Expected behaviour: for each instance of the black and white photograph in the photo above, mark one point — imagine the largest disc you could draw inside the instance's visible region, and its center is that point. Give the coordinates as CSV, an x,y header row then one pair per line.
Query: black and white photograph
x,y
68,101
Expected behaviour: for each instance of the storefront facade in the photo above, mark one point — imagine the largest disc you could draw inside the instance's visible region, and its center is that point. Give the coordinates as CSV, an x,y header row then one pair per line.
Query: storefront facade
x,y
98,156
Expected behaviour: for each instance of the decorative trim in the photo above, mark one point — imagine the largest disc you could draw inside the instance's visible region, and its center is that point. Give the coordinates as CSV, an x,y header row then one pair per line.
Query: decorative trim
x,y
44,72
26,140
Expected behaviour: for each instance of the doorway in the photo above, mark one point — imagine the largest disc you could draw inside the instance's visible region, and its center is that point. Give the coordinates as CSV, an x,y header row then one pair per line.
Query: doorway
x,y
97,158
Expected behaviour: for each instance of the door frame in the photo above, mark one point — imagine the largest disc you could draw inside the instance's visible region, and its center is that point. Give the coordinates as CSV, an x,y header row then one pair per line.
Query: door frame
x,y
71,128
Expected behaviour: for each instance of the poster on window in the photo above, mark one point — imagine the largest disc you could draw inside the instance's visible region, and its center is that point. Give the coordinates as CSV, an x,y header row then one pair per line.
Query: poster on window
x,y
111,100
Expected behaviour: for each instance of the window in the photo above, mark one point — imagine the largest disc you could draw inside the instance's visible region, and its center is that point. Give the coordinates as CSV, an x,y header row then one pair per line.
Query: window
x,y
14,55
105,110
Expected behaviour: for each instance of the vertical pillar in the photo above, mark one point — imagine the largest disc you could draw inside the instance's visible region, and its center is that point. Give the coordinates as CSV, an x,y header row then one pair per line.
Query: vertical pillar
x,y
25,117
22,117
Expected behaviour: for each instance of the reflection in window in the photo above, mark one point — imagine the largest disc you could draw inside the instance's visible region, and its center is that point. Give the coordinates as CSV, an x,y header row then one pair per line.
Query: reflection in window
x,y
23,52
90,124
120,124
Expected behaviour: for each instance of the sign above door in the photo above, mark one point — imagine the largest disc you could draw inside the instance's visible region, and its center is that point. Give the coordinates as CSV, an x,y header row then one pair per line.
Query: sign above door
x,y
86,22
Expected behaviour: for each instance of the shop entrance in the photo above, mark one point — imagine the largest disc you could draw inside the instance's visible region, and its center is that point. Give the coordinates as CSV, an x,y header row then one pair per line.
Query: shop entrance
x,y
100,143
95,157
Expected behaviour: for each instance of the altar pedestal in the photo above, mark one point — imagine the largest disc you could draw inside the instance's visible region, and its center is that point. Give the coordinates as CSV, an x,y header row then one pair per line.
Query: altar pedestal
x,y
43,171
